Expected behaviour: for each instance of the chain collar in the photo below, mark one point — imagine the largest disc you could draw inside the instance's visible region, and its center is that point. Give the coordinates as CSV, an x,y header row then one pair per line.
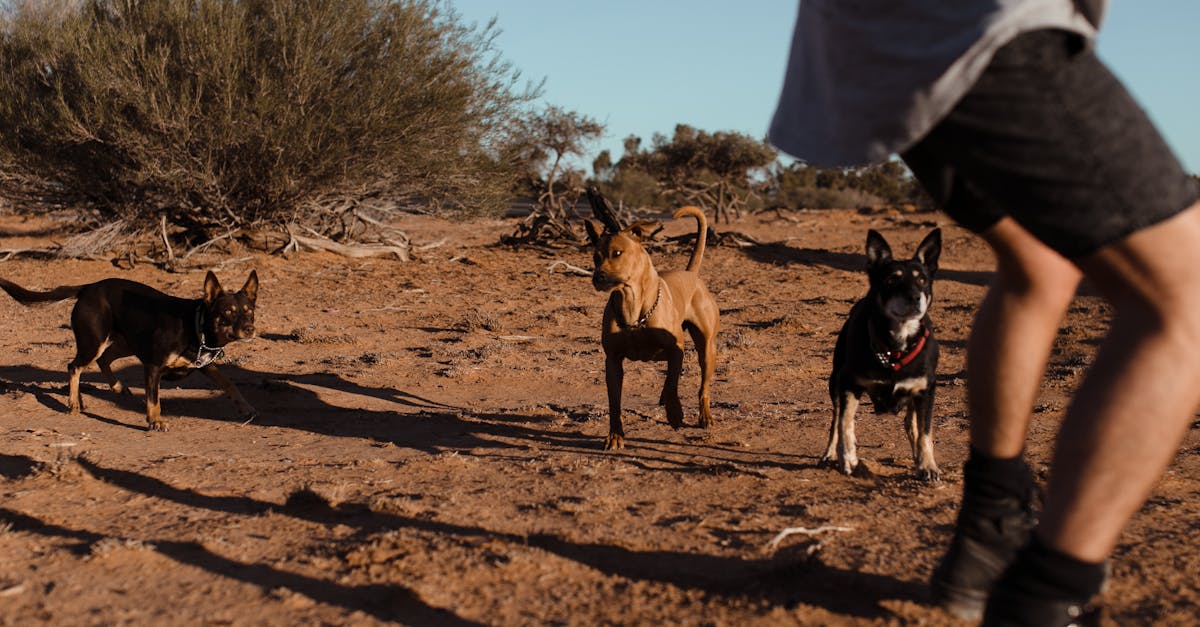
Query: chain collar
x,y
205,355
641,322
895,360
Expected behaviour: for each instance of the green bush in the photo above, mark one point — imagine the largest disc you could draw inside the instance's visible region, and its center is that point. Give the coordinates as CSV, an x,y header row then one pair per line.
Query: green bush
x,y
227,113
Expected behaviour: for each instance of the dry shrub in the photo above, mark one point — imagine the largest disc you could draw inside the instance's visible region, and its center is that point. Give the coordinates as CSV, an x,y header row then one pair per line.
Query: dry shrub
x,y
227,113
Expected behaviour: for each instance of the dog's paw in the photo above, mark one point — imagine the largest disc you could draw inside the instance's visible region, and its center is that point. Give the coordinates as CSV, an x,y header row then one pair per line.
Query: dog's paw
x,y
705,420
930,475
156,425
248,414
614,442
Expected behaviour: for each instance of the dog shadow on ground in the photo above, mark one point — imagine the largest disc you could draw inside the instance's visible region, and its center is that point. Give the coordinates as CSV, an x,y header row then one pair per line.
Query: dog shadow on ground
x,y
297,401
787,579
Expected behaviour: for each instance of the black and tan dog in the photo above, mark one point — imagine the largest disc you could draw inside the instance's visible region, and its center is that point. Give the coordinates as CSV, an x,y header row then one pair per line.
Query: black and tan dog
x,y
886,349
116,318
647,314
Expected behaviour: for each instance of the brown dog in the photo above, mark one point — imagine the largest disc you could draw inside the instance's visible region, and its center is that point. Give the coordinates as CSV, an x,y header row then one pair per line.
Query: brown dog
x,y
647,314
116,318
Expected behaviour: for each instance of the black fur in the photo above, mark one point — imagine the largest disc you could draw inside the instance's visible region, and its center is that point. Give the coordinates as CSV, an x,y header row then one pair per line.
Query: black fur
x,y
171,336
884,353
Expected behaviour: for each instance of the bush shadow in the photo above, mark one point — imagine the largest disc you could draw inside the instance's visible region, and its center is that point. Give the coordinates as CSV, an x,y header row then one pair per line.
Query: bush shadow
x,y
774,580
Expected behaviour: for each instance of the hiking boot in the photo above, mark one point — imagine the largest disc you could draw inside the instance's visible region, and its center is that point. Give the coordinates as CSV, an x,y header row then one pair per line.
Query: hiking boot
x,y
1010,608
987,535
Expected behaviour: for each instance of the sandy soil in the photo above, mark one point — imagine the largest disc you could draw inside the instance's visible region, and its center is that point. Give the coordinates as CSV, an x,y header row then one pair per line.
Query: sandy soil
x,y
429,451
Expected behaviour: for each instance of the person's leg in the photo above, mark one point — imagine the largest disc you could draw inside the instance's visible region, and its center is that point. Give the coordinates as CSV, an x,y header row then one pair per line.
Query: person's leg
x,y
1133,408
1007,352
1123,427
1013,335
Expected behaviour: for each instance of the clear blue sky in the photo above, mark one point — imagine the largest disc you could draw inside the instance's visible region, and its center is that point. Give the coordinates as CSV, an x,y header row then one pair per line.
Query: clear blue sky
x,y
641,67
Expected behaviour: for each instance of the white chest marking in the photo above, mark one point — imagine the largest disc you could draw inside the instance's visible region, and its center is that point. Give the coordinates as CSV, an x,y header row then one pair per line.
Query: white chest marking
x,y
911,386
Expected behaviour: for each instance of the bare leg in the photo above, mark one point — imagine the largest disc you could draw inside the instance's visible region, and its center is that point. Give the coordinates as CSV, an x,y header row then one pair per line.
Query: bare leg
x,y
1013,334
1133,408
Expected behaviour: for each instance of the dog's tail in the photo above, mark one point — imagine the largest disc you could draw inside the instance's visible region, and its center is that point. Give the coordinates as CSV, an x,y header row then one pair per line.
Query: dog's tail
x,y
29,297
701,234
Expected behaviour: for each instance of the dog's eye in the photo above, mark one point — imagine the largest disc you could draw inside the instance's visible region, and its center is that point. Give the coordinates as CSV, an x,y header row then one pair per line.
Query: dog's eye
x,y
616,253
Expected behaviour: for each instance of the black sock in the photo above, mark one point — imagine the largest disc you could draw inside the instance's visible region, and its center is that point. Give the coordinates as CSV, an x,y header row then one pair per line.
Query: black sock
x,y
996,480
1043,572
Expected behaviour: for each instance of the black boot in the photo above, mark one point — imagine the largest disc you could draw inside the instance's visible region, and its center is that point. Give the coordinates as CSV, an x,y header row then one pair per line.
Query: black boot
x,y
1046,588
993,523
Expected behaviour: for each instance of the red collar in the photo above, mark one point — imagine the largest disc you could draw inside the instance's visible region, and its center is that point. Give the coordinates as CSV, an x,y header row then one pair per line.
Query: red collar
x,y
899,359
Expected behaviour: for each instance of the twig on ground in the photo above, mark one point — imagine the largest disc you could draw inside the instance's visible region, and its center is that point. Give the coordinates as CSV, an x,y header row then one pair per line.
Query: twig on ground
x,y
205,245
791,531
9,253
570,268
433,245
162,229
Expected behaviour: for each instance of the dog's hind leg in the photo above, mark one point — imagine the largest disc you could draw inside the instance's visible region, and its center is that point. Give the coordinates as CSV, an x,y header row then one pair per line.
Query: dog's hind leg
x,y
245,409
912,426
86,352
91,340
706,352
669,398
614,378
114,352
153,410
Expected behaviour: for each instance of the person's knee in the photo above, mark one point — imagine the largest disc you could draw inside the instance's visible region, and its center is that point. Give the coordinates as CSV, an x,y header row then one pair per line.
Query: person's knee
x,y
1028,271
1152,275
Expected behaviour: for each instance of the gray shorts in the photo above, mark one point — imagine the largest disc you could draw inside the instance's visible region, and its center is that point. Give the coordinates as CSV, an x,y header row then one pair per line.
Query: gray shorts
x,y
1050,137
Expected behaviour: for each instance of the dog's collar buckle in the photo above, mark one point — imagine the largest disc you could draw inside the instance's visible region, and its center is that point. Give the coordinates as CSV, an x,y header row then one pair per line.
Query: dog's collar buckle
x,y
205,355
645,319
895,360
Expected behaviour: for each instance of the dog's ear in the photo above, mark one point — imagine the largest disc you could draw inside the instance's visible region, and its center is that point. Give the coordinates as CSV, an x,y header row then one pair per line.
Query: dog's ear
x,y
878,251
644,229
212,287
929,250
593,232
250,289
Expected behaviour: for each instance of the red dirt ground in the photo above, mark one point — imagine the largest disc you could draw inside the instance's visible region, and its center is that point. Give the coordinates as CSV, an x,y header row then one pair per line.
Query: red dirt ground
x,y
429,451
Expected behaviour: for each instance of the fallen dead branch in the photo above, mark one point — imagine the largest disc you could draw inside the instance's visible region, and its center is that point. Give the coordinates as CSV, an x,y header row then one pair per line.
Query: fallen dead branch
x,y
360,251
9,253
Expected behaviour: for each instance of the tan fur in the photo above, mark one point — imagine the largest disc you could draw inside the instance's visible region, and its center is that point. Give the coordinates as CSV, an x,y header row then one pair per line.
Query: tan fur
x,y
623,267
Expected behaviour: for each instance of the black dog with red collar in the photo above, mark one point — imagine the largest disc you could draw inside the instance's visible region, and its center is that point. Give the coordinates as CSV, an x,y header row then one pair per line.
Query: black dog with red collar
x,y
886,350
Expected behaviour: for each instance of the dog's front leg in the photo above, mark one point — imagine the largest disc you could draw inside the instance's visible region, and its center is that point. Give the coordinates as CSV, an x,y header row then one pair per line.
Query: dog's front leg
x,y
927,468
153,411
245,409
614,378
670,392
847,444
831,449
